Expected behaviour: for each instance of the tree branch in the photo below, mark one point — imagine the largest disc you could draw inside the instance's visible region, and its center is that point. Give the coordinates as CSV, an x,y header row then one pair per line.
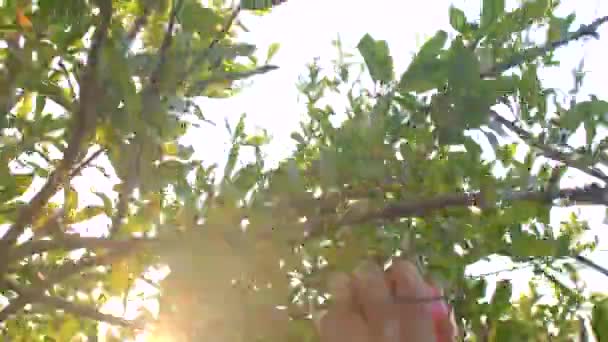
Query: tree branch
x,y
54,277
164,47
138,24
421,207
587,262
71,242
76,309
78,169
533,53
548,151
83,122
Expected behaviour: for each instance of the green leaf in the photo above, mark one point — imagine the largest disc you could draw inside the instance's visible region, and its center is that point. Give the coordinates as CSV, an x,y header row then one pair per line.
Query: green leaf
x,y
432,47
260,4
377,58
582,112
491,11
87,213
25,105
107,203
196,18
501,300
463,67
233,155
119,276
69,328
426,71
458,20
257,140
599,320
589,109
527,245
23,182
298,137
70,201
246,178
559,28
272,50
118,67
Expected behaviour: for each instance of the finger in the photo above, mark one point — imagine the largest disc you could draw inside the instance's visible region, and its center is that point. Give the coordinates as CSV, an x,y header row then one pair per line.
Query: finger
x,y
343,321
405,281
415,317
370,290
374,298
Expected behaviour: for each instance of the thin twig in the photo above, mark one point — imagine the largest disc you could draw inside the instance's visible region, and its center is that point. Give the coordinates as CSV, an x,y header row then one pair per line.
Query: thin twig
x,y
494,273
138,24
63,272
164,48
69,242
548,151
557,282
78,310
585,261
421,207
78,169
67,77
533,53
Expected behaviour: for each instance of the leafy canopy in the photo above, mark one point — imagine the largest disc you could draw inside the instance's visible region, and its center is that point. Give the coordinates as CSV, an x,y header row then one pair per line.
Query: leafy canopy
x,y
397,172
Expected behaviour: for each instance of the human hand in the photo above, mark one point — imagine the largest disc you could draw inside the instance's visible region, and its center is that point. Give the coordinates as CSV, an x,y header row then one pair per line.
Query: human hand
x,y
392,306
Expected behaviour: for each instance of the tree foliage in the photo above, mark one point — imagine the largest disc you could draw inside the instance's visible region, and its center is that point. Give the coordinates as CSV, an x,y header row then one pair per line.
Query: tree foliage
x,y
108,88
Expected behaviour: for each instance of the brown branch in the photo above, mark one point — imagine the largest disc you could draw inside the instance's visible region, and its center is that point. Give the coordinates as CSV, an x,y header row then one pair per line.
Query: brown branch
x,y
76,309
556,282
505,270
422,207
63,272
533,53
138,24
83,123
585,261
71,242
78,169
164,47
548,151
